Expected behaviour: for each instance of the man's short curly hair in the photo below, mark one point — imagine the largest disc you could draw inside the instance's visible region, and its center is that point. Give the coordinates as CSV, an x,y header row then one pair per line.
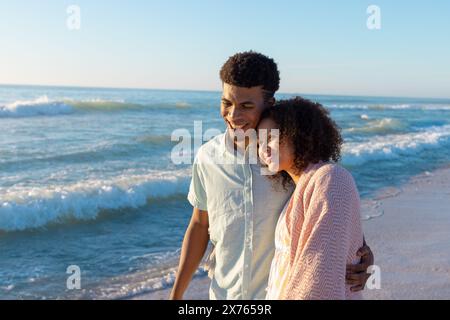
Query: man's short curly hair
x,y
251,69
309,128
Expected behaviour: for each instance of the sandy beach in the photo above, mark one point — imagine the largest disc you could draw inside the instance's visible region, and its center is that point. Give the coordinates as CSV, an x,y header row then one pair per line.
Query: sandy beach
x,y
410,240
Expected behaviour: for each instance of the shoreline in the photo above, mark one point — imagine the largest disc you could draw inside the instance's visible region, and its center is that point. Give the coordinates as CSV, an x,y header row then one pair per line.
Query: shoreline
x,y
410,239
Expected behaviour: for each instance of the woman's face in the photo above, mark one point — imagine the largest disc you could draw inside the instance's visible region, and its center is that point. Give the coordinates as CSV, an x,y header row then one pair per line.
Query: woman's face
x,y
278,155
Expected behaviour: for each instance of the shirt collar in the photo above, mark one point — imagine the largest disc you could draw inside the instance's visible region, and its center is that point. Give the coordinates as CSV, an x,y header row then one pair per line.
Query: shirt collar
x,y
226,146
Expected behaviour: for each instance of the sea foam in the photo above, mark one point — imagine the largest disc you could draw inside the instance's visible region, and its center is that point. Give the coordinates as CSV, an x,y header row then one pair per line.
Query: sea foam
x,y
23,208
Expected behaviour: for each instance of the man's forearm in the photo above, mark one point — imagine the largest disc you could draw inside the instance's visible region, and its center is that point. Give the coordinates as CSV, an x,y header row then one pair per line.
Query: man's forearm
x,y
194,246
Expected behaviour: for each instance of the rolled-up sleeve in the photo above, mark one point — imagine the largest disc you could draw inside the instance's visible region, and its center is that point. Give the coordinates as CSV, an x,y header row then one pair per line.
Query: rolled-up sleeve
x,y
197,193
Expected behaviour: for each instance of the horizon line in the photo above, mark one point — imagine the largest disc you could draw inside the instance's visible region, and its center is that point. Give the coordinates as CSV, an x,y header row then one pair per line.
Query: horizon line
x,y
212,91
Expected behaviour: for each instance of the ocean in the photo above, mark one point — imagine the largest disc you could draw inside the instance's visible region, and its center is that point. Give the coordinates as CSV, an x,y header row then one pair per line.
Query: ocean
x,y
87,179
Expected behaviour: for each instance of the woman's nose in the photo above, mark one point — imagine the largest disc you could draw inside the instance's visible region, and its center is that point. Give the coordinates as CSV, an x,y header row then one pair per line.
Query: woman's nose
x,y
264,148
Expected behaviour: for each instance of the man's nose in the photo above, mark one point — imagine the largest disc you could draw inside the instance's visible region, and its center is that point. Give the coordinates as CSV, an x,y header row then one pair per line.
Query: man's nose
x,y
234,113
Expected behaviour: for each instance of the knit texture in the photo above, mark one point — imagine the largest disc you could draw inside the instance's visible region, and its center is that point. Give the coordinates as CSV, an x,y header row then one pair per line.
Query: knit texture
x,y
324,226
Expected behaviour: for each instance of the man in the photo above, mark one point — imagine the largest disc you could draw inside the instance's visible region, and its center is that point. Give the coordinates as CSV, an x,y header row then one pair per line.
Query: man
x,y
235,206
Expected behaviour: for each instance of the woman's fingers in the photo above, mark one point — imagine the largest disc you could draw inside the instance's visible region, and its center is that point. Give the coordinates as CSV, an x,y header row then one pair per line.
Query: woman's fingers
x,y
357,288
352,282
356,279
356,268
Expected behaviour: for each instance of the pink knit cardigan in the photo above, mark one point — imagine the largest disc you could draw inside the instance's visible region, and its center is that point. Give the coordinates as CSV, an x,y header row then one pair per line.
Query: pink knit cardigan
x,y
324,224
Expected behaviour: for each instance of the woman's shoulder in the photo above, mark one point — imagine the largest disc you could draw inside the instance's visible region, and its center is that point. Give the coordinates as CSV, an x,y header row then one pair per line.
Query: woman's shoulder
x,y
331,183
328,172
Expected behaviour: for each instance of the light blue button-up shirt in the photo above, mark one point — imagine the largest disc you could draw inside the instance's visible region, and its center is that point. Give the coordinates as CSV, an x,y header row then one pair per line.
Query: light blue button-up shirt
x,y
243,209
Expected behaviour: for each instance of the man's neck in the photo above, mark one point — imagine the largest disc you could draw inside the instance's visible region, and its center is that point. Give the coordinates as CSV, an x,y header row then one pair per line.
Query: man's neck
x,y
242,145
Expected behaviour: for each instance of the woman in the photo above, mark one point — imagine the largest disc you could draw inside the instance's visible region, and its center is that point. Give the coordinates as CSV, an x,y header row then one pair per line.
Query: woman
x,y
319,230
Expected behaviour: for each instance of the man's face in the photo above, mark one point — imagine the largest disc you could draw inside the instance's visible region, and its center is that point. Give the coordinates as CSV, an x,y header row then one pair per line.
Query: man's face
x,y
241,108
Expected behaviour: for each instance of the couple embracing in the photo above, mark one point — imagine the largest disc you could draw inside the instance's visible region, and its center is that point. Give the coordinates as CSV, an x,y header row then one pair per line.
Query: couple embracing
x,y
294,234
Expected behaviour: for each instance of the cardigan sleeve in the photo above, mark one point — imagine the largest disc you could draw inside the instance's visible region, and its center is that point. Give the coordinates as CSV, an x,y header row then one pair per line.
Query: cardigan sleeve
x,y
330,224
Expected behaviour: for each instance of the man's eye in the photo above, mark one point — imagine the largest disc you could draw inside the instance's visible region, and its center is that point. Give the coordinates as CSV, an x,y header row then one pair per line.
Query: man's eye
x,y
226,104
247,106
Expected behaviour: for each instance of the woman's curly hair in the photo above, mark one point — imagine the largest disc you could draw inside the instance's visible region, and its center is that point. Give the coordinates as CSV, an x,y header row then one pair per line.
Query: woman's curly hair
x,y
313,135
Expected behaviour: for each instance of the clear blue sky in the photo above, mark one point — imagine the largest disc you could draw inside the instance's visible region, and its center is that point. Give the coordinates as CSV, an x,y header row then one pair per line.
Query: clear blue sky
x,y
320,46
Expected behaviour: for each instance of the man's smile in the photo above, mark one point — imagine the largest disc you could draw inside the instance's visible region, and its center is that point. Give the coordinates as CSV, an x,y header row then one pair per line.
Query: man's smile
x,y
236,126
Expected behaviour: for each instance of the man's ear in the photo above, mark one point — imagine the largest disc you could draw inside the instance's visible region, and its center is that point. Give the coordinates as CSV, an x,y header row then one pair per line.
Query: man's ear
x,y
271,102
